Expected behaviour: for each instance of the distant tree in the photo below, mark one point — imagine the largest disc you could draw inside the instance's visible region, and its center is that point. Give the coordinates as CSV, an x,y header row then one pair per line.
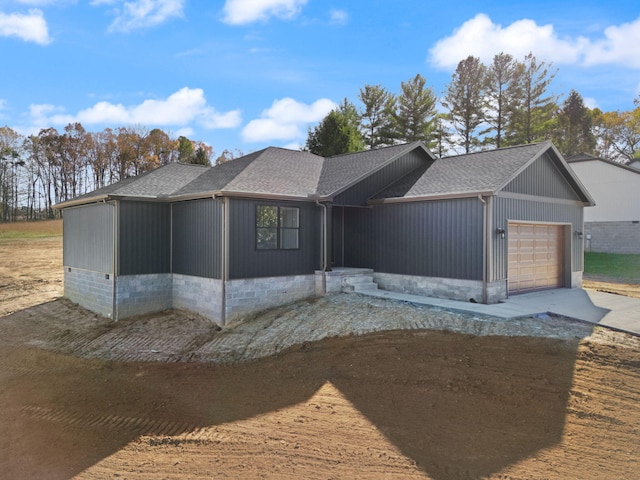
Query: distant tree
x,y
161,149
377,117
202,154
415,114
185,150
618,134
464,102
500,94
573,133
533,118
337,133
228,155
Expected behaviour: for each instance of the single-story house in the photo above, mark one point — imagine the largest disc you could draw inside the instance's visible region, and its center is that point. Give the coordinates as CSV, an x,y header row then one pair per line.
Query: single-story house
x,y
279,225
613,225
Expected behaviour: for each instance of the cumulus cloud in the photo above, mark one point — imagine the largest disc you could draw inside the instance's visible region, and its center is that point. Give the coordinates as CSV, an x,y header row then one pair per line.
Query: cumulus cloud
x,y
619,46
30,27
181,108
285,120
138,14
482,38
242,12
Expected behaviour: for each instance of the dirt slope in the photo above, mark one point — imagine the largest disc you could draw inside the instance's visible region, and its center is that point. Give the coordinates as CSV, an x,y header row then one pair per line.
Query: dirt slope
x,y
400,404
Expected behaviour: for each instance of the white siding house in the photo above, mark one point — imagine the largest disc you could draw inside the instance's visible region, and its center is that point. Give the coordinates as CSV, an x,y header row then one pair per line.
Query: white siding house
x,y
613,224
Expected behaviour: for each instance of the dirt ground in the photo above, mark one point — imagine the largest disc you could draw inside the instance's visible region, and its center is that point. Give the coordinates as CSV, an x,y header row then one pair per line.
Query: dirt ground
x,y
397,404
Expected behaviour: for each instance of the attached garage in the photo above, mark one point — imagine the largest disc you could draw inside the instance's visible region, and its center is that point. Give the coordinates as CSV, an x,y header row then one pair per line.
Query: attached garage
x,y
536,255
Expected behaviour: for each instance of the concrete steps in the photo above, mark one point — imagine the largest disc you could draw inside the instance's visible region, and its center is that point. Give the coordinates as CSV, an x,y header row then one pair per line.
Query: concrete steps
x,y
359,283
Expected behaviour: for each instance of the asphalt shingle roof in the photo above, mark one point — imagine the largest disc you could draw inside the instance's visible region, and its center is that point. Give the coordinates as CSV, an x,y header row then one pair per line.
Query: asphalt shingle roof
x,y
281,172
470,173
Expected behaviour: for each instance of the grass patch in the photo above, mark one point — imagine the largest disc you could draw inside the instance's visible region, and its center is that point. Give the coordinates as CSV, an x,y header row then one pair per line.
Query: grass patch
x,y
39,229
622,267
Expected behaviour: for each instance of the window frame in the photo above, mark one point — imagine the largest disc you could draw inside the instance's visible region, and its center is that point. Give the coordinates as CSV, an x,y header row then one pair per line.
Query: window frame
x,y
278,227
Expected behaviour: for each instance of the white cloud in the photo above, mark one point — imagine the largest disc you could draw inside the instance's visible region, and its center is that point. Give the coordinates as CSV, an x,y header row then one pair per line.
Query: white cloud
x,y
338,17
285,120
181,108
30,27
241,12
482,38
620,46
590,102
138,14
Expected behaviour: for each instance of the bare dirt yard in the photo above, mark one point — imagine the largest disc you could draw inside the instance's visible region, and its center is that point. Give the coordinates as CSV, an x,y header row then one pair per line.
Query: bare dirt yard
x,y
169,396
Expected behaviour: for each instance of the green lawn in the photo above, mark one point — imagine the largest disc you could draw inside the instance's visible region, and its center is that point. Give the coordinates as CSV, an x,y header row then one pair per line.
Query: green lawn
x,y
621,267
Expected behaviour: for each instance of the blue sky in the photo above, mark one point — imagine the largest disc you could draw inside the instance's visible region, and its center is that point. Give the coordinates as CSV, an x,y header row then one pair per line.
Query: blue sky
x,y
245,74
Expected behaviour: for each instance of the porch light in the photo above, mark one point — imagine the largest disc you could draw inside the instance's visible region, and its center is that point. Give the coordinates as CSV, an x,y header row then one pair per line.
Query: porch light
x,y
578,234
500,232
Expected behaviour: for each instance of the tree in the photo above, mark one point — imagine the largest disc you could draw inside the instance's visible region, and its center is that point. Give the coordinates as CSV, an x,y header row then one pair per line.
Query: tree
x,y
464,101
533,116
618,134
500,91
228,155
416,111
573,133
185,150
337,133
202,155
377,117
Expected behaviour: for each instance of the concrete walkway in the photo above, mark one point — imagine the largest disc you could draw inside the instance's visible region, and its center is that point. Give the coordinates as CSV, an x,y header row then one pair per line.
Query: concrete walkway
x,y
617,311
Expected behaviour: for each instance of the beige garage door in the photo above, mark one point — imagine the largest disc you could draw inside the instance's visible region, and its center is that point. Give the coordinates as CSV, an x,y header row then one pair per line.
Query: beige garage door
x,y
535,257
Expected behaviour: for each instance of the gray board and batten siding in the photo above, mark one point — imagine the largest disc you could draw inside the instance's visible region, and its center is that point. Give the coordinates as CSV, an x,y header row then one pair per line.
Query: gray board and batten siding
x,y
363,190
144,238
246,261
88,235
440,238
197,227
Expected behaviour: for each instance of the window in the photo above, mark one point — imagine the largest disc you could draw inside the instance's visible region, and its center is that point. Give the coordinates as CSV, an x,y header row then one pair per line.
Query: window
x,y
277,228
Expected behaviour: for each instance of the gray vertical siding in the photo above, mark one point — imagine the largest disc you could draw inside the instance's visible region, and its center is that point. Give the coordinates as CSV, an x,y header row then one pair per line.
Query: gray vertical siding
x,y
245,261
437,239
144,238
88,237
508,209
197,238
542,178
368,187
337,237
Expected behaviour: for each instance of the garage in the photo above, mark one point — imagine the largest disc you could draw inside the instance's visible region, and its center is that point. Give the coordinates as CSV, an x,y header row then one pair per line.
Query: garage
x,y
535,257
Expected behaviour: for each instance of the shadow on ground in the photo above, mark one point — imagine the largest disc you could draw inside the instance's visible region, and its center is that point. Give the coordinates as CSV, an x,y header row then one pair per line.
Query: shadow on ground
x,y
459,406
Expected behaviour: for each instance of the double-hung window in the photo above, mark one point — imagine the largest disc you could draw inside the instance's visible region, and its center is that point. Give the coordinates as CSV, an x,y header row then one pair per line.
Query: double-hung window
x,y
277,228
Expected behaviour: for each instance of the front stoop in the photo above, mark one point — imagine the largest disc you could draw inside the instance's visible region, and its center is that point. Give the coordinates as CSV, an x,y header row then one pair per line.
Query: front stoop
x,y
359,283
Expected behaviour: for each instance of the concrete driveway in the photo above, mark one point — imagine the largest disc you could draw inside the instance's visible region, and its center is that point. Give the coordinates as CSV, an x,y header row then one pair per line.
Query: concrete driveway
x,y
607,309
601,308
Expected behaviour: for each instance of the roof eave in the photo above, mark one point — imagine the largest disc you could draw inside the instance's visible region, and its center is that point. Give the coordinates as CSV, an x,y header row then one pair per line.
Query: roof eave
x,y
425,198
80,201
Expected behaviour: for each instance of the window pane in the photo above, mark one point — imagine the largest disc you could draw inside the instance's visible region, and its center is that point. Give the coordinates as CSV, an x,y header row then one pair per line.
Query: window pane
x,y
289,217
289,238
266,216
266,238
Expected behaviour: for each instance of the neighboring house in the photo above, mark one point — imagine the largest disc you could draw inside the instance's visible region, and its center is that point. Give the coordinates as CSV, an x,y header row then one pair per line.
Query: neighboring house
x,y
266,229
613,225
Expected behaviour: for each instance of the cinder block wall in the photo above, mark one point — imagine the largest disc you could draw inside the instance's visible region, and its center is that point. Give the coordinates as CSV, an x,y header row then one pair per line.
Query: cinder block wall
x,y
612,237
92,290
245,296
198,294
140,294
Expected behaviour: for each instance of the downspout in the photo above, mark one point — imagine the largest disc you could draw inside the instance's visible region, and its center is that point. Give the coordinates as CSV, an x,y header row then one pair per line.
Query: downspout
x,y
323,247
225,258
115,262
484,249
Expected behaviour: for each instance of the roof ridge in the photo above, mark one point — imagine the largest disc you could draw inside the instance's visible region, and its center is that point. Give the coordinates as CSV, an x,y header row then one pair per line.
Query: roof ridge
x,y
494,150
406,144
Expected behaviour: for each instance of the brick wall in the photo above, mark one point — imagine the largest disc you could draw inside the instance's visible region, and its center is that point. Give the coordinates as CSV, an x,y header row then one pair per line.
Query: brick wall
x,y
612,237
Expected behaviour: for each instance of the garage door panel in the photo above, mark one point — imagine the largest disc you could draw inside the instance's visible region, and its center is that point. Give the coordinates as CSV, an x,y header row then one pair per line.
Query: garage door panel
x,y
535,256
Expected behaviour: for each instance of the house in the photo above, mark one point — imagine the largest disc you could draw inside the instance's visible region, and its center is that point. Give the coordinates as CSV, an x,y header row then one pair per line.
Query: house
x,y
613,225
279,225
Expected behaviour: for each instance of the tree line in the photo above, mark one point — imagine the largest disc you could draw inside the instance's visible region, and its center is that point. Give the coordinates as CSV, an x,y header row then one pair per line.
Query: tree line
x,y
508,102
38,171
